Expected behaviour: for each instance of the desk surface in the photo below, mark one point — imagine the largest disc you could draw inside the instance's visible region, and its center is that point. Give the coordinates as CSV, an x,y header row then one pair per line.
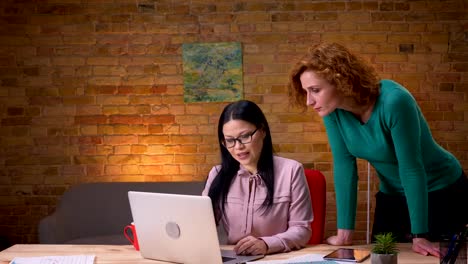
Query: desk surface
x,y
107,254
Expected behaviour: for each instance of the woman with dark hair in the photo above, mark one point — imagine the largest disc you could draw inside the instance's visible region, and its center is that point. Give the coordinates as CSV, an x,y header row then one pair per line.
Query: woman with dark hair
x,y
262,200
422,186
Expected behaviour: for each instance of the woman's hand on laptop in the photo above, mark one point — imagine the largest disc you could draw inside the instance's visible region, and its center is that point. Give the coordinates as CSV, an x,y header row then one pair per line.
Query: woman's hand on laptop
x,y
251,246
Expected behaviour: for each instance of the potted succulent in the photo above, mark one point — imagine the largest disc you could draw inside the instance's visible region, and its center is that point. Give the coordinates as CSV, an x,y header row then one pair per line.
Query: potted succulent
x,y
384,250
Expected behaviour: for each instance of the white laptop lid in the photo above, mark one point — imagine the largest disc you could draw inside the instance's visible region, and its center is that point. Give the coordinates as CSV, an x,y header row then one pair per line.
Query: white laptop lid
x,y
177,228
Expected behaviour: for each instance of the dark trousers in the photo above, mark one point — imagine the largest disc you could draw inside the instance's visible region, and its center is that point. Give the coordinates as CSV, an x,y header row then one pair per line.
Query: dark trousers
x,y
448,212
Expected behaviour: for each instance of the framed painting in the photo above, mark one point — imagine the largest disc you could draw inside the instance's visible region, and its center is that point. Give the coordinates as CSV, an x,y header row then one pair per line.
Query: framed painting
x,y
212,72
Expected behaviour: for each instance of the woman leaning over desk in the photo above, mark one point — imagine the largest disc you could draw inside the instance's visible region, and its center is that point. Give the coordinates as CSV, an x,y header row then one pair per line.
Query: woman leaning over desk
x,y
423,191
262,200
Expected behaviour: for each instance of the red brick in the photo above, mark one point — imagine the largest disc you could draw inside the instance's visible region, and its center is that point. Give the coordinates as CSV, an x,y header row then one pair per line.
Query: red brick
x,y
158,119
159,139
125,119
45,100
127,89
91,120
120,140
15,111
15,121
86,140
100,89
92,159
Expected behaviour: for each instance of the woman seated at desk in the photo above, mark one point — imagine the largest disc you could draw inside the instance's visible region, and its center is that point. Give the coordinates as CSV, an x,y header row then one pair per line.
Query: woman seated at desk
x,y
262,200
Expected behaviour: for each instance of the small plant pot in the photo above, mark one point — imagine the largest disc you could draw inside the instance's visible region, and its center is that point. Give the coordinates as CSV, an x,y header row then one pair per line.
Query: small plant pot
x,y
384,258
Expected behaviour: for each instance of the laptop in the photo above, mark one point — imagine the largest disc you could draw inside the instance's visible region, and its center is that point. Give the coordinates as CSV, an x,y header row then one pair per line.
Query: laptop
x,y
179,228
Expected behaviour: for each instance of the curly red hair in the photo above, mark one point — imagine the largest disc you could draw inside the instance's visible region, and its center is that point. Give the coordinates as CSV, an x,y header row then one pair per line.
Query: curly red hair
x,y
350,74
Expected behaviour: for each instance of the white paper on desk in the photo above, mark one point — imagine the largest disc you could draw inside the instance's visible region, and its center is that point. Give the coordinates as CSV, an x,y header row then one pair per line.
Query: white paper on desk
x,y
300,259
75,259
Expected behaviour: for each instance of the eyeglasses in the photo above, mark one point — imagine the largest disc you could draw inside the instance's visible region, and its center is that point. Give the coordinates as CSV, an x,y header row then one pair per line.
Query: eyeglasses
x,y
242,139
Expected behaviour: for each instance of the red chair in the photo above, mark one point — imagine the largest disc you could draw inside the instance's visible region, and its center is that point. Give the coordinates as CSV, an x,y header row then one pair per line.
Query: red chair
x,y
318,191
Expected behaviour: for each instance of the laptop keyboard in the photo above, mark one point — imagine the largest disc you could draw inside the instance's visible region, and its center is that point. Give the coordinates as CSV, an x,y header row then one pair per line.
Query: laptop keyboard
x,y
227,259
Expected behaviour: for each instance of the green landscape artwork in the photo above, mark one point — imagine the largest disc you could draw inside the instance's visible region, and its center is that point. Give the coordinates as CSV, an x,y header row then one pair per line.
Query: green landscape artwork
x,y
212,72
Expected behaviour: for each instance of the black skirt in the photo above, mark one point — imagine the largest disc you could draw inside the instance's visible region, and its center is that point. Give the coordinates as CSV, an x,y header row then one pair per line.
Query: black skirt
x,y
448,212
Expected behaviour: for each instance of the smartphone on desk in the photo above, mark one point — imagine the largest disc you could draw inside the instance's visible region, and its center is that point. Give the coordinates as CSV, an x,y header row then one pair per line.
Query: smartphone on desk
x,y
348,255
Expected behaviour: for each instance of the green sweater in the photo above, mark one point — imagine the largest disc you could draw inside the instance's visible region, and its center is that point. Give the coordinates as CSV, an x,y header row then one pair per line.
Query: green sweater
x,y
398,143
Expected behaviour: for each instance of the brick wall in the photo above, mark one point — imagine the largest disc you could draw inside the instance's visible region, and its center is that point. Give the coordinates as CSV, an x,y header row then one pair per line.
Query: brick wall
x,y
93,90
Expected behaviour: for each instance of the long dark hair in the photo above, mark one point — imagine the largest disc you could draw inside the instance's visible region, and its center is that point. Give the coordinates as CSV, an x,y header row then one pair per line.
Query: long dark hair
x,y
250,112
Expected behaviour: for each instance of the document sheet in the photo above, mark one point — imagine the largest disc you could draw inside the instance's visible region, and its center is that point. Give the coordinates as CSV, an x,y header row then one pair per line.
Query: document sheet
x,y
75,259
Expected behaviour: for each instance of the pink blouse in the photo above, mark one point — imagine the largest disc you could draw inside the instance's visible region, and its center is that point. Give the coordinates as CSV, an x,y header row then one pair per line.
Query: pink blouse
x,y
286,226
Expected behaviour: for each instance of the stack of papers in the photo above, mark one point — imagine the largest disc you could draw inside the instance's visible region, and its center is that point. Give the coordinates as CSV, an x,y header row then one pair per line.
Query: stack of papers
x,y
77,259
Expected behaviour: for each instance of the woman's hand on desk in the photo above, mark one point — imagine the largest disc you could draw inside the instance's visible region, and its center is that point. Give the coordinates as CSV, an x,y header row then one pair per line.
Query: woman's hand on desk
x,y
251,246
425,247
343,238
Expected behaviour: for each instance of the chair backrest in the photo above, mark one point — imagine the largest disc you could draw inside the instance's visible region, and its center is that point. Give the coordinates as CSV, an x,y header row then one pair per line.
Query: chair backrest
x,y
318,191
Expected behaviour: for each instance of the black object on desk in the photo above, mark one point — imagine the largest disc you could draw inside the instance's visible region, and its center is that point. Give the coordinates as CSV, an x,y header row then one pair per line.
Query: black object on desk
x,y
454,249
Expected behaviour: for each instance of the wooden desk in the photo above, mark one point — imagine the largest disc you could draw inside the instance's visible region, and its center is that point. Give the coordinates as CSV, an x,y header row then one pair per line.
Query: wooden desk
x,y
107,254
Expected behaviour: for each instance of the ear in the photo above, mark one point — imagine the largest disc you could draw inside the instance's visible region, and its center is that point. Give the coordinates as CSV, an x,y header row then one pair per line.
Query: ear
x,y
262,130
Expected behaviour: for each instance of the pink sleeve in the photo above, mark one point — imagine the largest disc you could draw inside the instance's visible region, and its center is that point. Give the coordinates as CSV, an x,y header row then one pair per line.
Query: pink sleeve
x,y
211,176
300,216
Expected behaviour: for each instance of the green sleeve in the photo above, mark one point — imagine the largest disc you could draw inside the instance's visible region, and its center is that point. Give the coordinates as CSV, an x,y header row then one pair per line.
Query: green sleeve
x,y
345,175
404,119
